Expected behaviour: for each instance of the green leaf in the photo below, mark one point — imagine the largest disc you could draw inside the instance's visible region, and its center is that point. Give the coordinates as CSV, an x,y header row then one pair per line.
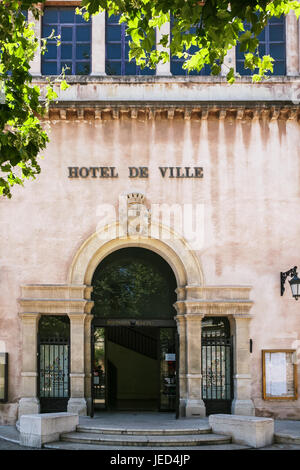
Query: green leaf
x,y
64,85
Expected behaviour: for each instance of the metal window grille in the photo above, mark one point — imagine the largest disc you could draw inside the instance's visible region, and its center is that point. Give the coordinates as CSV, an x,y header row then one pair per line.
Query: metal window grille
x,y
54,369
216,369
53,364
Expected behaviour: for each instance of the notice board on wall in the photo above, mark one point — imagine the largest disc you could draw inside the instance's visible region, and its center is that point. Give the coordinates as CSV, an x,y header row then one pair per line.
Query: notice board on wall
x,y
279,374
3,377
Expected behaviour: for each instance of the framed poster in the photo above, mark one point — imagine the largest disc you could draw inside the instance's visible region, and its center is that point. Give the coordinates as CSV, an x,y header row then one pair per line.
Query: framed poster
x,y
279,374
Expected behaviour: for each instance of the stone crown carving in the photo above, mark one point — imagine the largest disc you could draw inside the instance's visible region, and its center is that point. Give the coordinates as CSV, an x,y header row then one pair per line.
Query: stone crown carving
x,y
135,198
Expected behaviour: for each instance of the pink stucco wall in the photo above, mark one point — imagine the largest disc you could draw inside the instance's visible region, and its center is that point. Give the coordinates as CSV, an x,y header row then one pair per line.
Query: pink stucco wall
x,y
250,193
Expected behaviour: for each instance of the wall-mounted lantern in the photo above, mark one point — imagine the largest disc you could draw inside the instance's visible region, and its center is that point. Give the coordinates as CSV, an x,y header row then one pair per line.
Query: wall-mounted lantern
x,y
3,377
294,282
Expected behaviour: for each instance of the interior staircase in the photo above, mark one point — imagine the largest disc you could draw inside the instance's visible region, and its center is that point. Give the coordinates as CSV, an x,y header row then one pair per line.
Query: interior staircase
x,y
134,339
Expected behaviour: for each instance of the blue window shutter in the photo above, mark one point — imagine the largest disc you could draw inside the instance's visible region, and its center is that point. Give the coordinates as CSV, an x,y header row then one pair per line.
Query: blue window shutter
x,y
117,50
272,42
75,49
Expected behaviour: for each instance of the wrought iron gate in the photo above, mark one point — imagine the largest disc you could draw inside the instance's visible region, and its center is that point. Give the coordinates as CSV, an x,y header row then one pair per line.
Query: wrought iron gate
x,y
216,365
54,367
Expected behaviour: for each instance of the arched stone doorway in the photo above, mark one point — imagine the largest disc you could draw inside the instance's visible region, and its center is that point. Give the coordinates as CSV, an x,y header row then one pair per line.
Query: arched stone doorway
x,y
134,332
195,300
189,279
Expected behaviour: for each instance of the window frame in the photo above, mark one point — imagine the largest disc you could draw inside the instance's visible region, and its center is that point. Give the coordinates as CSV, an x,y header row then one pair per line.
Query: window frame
x,y
74,61
177,60
280,22
267,396
122,60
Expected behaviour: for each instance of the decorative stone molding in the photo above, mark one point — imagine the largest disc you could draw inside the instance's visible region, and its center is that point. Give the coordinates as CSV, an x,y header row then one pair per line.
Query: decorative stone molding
x,y
55,299
214,307
55,291
214,292
173,249
95,111
55,306
214,300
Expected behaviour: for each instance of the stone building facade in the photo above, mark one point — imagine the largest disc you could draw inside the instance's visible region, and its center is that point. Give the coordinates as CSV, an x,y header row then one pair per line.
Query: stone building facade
x,y
211,173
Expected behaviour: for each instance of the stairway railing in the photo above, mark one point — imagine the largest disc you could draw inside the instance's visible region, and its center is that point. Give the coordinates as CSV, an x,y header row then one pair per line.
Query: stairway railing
x,y
134,340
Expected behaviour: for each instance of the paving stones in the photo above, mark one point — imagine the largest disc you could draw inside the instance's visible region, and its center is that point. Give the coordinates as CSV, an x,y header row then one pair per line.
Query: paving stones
x,y
69,446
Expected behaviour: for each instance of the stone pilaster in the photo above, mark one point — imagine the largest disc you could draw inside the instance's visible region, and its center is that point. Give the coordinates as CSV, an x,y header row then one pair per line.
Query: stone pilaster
x,y
181,328
29,402
87,359
77,402
292,44
194,404
98,44
229,61
242,403
161,68
35,65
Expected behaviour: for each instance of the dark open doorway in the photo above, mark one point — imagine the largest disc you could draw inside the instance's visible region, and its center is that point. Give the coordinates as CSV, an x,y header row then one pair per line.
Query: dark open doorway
x,y
134,368
134,347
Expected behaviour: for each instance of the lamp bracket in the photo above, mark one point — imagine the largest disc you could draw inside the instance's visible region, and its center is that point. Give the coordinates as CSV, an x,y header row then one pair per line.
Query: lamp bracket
x,y
283,276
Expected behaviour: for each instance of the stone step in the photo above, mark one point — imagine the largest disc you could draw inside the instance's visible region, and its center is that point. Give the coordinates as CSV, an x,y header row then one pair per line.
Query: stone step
x,y
145,441
205,429
287,437
64,445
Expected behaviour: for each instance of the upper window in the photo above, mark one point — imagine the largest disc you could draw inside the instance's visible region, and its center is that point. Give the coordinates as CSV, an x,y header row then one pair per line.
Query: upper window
x,y
25,13
117,50
177,62
272,42
74,52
